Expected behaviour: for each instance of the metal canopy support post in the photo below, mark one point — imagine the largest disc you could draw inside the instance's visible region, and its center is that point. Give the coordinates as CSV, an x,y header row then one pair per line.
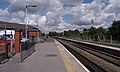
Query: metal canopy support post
x,y
26,22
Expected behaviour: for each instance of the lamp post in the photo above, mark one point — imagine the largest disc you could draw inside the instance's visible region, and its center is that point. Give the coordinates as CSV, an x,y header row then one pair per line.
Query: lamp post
x,y
26,16
92,21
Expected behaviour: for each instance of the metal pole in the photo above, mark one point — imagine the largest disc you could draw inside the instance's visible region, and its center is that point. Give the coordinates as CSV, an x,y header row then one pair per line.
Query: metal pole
x,y
26,22
92,22
6,51
11,49
38,32
26,16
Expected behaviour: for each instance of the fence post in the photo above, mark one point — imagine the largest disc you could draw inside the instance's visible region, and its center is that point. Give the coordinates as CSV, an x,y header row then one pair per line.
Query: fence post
x,y
104,38
111,38
99,38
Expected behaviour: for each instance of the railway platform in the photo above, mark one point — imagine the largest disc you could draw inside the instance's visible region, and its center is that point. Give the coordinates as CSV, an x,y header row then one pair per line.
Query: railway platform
x,y
49,56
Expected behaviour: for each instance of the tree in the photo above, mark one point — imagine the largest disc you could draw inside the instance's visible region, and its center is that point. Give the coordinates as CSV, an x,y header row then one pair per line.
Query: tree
x,y
76,33
53,34
101,32
115,30
93,33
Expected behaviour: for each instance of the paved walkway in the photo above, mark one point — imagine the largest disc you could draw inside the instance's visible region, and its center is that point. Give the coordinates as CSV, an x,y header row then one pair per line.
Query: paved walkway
x,y
48,57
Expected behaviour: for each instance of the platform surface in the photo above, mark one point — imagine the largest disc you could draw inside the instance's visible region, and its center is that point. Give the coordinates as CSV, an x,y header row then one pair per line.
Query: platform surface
x,y
48,57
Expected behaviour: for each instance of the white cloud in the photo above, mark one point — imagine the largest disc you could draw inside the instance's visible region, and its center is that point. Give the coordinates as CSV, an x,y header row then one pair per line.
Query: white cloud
x,y
49,13
4,12
15,20
21,13
84,13
2,19
33,18
55,13
36,19
113,7
20,5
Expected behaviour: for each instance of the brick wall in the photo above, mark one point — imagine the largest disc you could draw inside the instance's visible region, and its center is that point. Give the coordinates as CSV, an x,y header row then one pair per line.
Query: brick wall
x,y
2,47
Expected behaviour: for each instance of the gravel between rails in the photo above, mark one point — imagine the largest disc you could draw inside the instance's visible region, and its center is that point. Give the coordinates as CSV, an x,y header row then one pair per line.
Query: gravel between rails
x,y
108,66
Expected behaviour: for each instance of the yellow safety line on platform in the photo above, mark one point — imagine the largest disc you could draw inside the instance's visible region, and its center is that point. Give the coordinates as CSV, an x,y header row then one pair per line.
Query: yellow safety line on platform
x,y
65,58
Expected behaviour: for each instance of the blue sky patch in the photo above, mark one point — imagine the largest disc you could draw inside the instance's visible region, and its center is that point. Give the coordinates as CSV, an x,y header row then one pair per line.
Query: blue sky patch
x,y
68,18
87,1
105,2
4,5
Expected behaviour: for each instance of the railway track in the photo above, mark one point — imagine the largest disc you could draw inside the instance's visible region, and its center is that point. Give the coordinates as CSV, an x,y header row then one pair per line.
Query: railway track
x,y
96,60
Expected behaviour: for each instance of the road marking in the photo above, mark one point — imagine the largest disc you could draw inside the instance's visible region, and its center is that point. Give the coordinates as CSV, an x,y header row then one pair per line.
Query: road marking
x,y
74,57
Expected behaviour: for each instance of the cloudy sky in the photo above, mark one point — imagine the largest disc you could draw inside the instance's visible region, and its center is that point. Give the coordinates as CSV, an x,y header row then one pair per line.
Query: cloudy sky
x,y
60,15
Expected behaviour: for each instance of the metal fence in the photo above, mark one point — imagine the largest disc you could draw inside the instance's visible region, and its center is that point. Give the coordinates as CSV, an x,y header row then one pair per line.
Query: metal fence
x,y
26,49
2,56
4,53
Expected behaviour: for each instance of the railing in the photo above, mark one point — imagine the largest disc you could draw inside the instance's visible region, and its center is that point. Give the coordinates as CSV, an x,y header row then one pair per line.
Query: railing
x,y
26,49
2,56
3,52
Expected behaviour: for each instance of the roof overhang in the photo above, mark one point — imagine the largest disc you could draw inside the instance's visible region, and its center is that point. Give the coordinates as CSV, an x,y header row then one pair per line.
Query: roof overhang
x,y
16,26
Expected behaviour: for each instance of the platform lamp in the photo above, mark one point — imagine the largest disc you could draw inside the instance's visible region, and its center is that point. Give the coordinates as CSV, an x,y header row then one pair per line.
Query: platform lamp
x,y
26,16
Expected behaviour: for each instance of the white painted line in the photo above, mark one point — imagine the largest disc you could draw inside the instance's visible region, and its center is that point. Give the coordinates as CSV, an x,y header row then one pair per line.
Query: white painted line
x,y
115,48
74,58
109,47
